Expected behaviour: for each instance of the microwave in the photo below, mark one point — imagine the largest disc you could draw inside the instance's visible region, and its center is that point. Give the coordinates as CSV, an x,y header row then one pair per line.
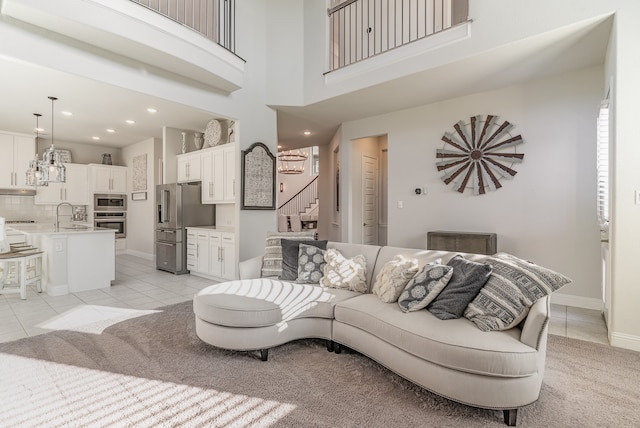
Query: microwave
x,y
109,202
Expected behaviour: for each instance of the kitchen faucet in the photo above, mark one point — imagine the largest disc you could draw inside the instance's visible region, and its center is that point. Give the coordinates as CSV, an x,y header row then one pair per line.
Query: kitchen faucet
x,y
58,214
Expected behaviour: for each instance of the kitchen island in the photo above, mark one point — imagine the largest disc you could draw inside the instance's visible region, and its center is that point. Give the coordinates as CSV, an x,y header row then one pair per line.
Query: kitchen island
x,y
76,257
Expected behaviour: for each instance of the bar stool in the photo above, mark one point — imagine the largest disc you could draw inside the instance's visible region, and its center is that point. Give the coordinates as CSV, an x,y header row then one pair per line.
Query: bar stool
x,y
21,266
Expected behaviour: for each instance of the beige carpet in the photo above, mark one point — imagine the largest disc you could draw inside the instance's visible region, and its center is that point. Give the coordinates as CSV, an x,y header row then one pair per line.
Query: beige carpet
x,y
153,371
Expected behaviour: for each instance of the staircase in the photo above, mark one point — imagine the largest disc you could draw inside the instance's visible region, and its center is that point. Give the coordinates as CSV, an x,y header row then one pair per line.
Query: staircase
x,y
303,204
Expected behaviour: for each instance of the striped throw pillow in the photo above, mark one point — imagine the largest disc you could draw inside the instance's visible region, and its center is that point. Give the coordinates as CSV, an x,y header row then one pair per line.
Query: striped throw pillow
x,y
272,259
514,285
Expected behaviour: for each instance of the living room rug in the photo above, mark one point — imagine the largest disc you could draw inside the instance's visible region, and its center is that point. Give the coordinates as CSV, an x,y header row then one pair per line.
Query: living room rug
x,y
153,371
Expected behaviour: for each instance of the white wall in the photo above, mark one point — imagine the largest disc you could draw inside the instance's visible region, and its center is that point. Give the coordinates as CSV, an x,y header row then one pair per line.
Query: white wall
x,y
140,214
495,23
545,214
328,218
623,64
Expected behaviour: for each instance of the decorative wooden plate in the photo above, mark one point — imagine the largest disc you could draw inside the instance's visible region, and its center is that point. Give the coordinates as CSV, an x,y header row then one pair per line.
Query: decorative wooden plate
x,y
213,133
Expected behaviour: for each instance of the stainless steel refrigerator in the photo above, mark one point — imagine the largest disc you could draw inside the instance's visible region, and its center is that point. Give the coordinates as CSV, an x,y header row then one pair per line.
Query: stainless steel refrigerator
x,y
178,206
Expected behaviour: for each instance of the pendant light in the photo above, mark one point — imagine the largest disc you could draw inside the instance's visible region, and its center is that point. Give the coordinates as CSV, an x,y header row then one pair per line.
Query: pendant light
x,y
53,169
34,173
50,168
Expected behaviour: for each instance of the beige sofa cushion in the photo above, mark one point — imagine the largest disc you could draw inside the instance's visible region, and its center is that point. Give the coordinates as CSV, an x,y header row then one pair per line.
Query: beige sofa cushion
x,y
263,302
457,344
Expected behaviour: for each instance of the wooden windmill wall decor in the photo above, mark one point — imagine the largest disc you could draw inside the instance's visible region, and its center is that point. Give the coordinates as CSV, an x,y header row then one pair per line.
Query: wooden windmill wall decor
x,y
479,154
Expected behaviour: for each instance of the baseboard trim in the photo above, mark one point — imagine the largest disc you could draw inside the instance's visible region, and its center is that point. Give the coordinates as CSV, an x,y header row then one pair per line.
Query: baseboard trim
x,y
577,301
140,254
626,341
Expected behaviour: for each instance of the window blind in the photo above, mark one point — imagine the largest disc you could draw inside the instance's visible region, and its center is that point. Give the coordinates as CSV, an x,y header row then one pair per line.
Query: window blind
x,y
603,166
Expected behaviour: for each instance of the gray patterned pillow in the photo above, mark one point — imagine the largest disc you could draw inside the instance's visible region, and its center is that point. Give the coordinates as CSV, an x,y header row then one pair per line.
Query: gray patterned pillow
x,y
272,259
310,264
290,249
513,287
424,287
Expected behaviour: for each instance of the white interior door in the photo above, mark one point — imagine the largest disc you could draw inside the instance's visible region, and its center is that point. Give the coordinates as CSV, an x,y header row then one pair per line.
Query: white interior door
x,y
369,199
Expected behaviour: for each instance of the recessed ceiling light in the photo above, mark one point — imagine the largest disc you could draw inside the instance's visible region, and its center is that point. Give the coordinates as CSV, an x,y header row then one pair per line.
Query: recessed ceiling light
x,y
152,110
307,133
130,121
67,113
111,131
95,138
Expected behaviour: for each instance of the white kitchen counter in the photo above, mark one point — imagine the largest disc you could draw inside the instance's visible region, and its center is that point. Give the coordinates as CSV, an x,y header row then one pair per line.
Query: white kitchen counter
x,y
76,257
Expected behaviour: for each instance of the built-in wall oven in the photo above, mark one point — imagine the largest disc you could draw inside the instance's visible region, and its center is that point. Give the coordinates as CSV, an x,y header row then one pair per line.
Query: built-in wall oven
x,y
116,220
105,202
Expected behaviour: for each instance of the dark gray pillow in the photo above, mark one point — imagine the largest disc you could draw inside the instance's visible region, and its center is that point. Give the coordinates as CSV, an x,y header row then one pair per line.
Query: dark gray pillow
x,y
290,248
465,284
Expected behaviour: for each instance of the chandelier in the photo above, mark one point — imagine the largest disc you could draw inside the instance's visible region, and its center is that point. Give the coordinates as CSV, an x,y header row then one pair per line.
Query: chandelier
x,y
292,162
50,168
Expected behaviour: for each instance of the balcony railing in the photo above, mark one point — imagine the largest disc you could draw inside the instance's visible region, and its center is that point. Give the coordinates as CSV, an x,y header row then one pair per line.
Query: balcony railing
x,y
363,28
214,19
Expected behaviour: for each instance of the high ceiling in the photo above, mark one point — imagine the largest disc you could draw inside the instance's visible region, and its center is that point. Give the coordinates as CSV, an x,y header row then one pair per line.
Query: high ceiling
x,y
97,107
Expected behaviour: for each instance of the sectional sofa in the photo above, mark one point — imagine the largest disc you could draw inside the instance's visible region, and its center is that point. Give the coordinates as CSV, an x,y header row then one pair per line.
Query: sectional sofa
x,y
500,370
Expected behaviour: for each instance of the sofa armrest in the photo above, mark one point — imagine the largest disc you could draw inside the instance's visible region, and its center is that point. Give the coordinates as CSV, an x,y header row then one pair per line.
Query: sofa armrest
x,y
250,268
536,323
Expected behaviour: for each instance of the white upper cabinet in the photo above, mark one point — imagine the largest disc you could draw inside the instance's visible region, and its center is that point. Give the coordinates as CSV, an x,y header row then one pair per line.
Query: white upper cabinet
x,y
17,151
189,167
218,175
75,191
108,178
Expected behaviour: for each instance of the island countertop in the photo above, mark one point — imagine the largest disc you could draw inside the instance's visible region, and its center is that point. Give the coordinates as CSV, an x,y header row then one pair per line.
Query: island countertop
x,y
77,257
47,228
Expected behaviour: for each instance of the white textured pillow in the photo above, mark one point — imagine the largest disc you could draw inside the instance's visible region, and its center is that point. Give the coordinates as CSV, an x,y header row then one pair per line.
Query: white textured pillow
x,y
341,272
393,277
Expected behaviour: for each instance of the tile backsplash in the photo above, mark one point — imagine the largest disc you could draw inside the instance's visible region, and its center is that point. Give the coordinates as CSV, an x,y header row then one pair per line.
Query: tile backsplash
x,y
23,208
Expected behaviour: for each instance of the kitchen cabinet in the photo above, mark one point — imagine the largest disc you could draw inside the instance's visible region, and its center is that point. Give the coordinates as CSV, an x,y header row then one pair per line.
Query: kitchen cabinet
x,y
211,253
75,191
17,151
189,167
192,250
108,178
219,175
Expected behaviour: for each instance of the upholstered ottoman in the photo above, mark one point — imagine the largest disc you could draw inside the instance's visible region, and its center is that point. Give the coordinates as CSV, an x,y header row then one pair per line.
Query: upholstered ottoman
x,y
257,314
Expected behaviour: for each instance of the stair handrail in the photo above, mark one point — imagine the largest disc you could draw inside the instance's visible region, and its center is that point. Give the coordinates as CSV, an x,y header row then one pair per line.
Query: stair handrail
x,y
302,200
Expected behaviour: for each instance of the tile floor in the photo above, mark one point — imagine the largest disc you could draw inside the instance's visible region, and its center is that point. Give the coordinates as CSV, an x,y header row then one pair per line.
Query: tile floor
x,y
139,285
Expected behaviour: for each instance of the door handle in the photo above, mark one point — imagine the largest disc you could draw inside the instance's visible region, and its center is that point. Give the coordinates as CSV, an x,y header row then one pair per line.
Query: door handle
x,y
167,244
